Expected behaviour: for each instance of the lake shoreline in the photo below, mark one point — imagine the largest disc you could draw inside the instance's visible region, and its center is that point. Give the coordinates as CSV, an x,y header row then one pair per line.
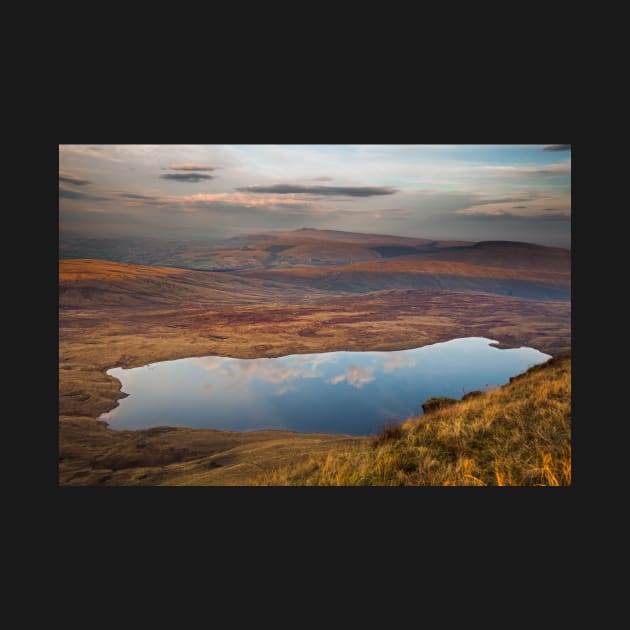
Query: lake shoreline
x,y
341,392
93,340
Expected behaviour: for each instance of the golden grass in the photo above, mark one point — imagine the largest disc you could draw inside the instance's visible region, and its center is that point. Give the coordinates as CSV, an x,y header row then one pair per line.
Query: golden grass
x,y
131,322
91,454
519,435
88,269
427,267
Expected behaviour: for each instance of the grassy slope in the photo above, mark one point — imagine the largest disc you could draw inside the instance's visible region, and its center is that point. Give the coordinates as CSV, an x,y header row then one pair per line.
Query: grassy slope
x,y
92,454
114,314
519,434
88,283
424,267
506,254
402,273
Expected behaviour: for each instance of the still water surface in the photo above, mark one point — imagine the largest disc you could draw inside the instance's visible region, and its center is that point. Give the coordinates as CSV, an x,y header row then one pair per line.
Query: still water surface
x,y
334,392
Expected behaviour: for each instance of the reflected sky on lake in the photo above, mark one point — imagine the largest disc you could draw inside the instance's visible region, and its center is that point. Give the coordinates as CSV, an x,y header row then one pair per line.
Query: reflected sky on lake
x,y
353,393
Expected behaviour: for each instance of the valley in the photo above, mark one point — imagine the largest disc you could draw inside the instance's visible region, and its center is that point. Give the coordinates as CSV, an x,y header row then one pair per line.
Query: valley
x,y
355,296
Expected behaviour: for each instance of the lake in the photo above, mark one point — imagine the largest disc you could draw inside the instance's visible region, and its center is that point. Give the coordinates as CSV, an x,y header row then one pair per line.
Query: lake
x,y
355,393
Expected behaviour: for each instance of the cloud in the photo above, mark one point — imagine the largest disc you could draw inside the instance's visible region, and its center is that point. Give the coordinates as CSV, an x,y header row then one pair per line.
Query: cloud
x,y
136,196
209,363
135,199
346,191
360,376
356,376
192,178
537,205
66,193
191,166
203,201
324,178
231,371
283,389
335,380
563,168
111,152
558,147
515,218
504,213
71,179
219,202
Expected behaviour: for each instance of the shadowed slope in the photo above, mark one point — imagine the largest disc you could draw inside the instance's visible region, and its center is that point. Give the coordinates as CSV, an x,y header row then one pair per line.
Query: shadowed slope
x,y
84,282
419,274
284,249
506,254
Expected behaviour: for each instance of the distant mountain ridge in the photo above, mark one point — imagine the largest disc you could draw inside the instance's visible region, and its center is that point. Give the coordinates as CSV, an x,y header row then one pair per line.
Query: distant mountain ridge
x,y
312,247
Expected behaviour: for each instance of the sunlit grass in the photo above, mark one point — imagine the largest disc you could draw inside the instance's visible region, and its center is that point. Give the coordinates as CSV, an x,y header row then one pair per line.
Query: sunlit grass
x,y
519,434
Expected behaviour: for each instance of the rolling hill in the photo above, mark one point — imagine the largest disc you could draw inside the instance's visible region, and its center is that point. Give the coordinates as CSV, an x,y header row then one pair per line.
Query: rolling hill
x,y
99,283
406,273
505,254
285,249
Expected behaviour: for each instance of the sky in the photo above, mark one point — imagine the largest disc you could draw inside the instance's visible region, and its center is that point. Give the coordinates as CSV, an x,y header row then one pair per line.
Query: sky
x,y
209,192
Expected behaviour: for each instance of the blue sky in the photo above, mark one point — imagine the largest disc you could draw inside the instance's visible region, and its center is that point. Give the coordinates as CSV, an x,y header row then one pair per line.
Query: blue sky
x,y
457,192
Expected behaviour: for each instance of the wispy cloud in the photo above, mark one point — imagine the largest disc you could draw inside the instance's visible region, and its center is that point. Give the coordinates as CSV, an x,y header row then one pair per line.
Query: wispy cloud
x,y
344,191
335,380
71,179
231,371
136,199
498,206
199,202
563,168
191,166
217,200
111,152
558,147
355,376
187,177
67,193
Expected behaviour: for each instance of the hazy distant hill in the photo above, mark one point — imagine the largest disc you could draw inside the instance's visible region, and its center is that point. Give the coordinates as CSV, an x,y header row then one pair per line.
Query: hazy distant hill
x,y
285,249
411,273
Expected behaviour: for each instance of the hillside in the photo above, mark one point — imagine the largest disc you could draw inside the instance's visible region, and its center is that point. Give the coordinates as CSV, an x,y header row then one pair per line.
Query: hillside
x,y
519,434
120,314
285,249
406,273
92,454
90,283
256,251
506,254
